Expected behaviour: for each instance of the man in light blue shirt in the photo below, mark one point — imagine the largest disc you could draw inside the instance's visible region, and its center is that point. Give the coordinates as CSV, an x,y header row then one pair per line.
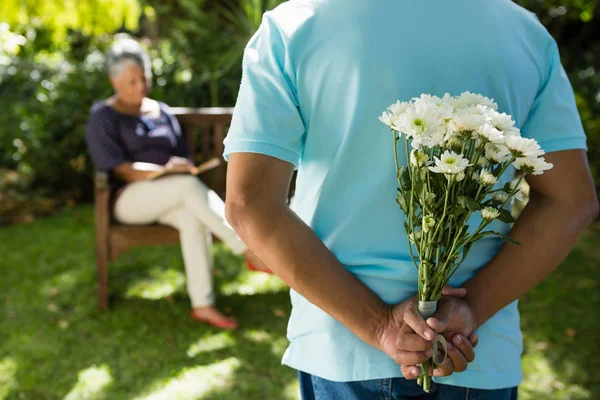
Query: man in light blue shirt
x,y
316,76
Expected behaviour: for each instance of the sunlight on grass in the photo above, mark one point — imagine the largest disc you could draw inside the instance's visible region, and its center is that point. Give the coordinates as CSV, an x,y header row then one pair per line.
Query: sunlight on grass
x,y
8,370
258,336
542,382
254,283
161,283
278,344
91,383
291,391
195,382
211,343
65,282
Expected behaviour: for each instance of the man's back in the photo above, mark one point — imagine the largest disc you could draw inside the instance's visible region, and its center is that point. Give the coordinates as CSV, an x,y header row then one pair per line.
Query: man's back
x,y
317,76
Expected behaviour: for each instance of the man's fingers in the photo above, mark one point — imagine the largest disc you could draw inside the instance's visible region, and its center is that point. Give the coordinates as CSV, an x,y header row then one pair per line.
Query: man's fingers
x,y
441,319
446,369
454,292
474,339
455,362
464,347
412,342
410,372
412,357
414,320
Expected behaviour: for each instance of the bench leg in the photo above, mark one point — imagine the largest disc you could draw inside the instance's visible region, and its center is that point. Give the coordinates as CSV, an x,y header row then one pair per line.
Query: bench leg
x,y
102,276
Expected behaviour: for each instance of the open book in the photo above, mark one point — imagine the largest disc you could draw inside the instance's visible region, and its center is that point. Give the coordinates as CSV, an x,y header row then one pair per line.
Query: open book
x,y
176,169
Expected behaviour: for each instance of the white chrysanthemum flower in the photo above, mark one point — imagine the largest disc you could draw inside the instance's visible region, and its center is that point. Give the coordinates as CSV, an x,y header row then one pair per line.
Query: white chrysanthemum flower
x,y
418,158
450,163
512,132
487,178
489,134
455,177
468,99
390,117
422,124
500,197
489,213
465,121
441,106
427,100
386,118
501,121
430,138
399,107
455,142
476,176
532,165
497,153
428,223
518,190
523,147
482,162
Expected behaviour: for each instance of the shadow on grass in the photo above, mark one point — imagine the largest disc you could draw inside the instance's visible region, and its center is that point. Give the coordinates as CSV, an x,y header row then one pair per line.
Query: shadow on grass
x,y
55,343
560,322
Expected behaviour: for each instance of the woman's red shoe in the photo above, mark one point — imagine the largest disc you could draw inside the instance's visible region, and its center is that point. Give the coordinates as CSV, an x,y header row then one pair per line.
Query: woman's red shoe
x,y
220,322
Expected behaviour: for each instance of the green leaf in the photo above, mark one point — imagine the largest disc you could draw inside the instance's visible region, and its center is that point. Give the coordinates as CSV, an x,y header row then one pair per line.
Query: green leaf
x,y
505,216
400,171
402,202
500,235
406,174
470,203
418,186
508,239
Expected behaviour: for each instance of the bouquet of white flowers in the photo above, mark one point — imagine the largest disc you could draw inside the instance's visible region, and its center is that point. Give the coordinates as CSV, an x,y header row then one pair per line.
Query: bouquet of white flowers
x,y
457,148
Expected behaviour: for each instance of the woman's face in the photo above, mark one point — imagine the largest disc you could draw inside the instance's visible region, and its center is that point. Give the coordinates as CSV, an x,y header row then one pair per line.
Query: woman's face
x,y
131,85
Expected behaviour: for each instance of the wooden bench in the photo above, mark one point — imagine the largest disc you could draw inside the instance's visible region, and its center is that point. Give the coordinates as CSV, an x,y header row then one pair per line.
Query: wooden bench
x,y
112,238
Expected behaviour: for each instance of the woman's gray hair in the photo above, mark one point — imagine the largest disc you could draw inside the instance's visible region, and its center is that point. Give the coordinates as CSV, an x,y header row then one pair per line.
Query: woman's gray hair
x,y
126,51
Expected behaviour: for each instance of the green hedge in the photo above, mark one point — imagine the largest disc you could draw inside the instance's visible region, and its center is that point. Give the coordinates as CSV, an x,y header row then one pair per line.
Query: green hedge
x,y
46,90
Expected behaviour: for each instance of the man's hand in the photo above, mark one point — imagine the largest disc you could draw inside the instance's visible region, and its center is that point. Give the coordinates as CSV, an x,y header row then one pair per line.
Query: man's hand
x,y
408,338
456,322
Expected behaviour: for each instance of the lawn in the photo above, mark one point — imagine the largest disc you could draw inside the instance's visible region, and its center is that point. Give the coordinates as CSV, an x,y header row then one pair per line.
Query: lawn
x,y
55,344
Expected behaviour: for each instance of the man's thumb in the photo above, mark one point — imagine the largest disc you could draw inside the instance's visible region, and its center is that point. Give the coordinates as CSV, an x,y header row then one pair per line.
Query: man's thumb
x,y
440,320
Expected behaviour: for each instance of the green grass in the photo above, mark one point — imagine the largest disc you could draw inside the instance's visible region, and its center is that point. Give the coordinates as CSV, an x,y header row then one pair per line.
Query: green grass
x,y
55,344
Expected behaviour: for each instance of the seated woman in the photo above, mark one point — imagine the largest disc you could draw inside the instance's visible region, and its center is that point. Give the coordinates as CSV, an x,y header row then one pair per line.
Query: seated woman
x,y
128,129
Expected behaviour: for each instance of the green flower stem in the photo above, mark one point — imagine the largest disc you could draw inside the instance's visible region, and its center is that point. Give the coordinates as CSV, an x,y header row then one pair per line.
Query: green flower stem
x,y
441,221
410,214
398,177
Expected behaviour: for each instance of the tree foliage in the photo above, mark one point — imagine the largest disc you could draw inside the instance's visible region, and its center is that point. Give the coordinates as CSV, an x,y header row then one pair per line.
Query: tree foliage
x,y
52,55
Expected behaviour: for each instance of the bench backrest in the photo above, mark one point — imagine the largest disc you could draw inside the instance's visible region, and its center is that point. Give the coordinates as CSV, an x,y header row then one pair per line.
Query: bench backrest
x,y
205,130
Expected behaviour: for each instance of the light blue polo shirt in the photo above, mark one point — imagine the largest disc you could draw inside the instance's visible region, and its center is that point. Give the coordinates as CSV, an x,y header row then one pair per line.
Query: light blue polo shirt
x,y
316,77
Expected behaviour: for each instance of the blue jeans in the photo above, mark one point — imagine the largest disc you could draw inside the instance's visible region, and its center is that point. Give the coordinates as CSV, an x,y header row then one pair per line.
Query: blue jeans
x,y
315,388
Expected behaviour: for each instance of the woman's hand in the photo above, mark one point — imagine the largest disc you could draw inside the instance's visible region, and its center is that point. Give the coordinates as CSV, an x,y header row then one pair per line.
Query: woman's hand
x,y
176,163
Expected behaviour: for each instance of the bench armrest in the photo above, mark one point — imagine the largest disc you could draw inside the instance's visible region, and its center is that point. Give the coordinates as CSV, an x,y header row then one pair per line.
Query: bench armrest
x,y
208,165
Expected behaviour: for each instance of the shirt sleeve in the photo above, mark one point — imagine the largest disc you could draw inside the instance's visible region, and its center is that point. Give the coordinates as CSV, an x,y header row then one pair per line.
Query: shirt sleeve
x,y
102,141
553,119
266,118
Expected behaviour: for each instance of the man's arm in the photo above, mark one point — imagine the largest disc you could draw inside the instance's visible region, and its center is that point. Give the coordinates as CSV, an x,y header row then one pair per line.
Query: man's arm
x,y
256,207
562,203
